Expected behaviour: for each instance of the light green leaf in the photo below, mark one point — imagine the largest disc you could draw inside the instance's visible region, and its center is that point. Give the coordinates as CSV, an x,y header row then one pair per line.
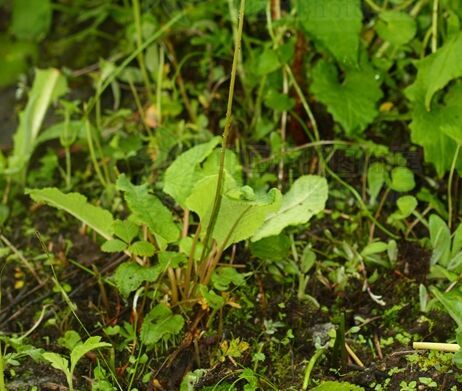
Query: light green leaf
x,y
148,209
77,205
334,24
437,70
142,248
440,238
180,177
402,179
113,246
31,21
70,339
376,175
57,361
241,212
48,86
374,248
125,230
129,276
80,350
211,165
160,323
406,205
306,197
396,27
352,102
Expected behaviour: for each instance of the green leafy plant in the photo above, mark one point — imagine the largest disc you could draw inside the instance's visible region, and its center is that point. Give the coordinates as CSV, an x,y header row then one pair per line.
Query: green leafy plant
x,y
49,85
78,350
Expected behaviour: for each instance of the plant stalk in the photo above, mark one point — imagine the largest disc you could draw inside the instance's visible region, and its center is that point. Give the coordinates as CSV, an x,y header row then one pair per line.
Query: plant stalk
x,y
226,131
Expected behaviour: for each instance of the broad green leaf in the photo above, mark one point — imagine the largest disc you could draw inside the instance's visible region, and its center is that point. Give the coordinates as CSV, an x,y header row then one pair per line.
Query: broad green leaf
x,y
223,277
77,205
436,130
337,386
351,102
306,197
113,246
275,248
80,350
376,176
241,213
437,70
48,86
142,248
268,62
31,21
57,361
232,165
148,209
396,27
334,24
440,238
129,276
402,179
452,302
180,177
160,323
125,230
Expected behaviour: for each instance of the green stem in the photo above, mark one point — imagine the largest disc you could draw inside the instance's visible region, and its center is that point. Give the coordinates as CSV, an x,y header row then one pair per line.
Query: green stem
x,y
221,170
373,6
139,44
450,180
92,153
310,366
159,85
107,82
435,25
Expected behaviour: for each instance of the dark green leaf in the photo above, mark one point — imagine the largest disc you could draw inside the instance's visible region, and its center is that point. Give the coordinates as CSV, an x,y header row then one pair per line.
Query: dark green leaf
x,y
129,276
148,209
160,323
334,24
352,102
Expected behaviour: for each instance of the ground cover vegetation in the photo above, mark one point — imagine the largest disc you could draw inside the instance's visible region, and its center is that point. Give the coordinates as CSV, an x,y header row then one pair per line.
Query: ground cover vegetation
x,y
230,195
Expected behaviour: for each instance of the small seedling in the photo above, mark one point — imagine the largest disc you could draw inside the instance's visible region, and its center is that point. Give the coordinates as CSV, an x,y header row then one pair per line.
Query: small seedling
x,y
79,350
